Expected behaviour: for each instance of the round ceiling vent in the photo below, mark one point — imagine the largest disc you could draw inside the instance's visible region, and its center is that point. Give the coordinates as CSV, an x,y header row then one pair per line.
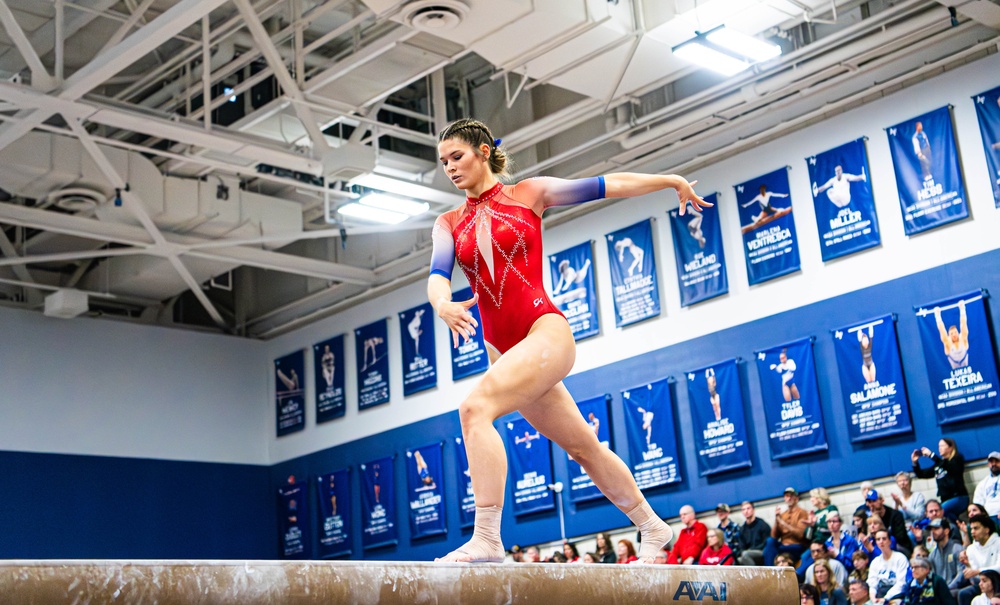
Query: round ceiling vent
x,y
433,16
76,199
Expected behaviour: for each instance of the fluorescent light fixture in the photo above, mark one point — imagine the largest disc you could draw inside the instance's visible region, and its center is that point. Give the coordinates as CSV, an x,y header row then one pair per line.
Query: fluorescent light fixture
x,y
395,204
742,44
709,58
372,214
409,189
726,51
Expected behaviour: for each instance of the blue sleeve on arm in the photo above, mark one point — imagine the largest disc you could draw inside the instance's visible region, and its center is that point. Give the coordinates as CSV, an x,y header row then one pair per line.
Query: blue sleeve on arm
x,y
569,192
443,252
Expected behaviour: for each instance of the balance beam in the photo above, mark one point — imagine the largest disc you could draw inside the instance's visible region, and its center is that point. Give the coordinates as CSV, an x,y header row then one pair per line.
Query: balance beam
x,y
385,583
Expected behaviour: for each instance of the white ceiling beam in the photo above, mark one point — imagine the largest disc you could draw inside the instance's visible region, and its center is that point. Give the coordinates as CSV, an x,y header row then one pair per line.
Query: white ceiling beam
x,y
127,26
40,77
13,260
62,257
373,51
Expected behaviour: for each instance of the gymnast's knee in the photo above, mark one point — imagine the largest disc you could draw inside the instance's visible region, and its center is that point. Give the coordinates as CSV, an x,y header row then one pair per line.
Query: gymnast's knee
x,y
475,409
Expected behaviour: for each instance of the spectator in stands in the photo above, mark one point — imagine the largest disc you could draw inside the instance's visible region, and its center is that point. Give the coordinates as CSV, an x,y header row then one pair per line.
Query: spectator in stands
x,y
989,584
808,595
866,486
926,587
605,553
867,542
830,591
591,557
729,529
516,554
690,541
932,511
557,557
820,500
571,552
949,471
858,592
860,560
532,555
887,577
717,552
945,554
982,554
911,504
784,560
841,545
661,557
987,492
753,536
788,533
626,551
963,527
893,520
820,553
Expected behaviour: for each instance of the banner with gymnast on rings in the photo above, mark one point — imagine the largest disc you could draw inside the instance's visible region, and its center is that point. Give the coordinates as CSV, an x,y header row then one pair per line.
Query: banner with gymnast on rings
x,y
634,286
770,244
928,175
701,261
791,399
845,208
530,467
871,377
652,436
958,350
573,290
720,429
988,111
425,490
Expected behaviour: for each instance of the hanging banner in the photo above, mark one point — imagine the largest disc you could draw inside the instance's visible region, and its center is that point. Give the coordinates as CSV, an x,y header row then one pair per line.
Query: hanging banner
x,y
988,111
573,289
701,261
928,176
378,503
293,517
720,430
289,394
471,357
958,349
371,347
425,490
633,273
770,244
467,501
333,491
845,207
328,376
871,376
595,412
791,399
417,343
652,438
530,467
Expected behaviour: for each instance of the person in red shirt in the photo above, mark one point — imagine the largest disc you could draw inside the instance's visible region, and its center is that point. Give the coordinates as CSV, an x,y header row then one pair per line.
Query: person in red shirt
x,y
626,552
717,552
691,541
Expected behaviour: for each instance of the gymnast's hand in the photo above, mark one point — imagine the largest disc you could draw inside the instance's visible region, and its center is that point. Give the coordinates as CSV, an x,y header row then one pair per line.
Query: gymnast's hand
x,y
461,322
686,194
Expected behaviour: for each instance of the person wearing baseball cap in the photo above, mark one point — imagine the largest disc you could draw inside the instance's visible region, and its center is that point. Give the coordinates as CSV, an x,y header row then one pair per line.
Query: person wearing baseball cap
x,y
730,530
788,533
987,493
945,553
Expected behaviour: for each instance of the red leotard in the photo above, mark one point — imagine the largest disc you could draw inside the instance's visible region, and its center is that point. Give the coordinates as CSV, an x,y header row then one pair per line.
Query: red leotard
x,y
497,241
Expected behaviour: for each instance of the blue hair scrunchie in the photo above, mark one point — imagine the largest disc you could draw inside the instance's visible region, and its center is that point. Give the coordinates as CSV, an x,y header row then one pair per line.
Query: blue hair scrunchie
x,y
496,142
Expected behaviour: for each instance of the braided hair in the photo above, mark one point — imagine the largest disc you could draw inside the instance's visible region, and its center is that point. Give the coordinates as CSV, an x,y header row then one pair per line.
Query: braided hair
x,y
475,133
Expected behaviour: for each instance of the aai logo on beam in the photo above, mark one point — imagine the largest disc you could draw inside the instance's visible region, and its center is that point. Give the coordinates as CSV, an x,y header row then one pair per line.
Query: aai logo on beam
x,y
700,591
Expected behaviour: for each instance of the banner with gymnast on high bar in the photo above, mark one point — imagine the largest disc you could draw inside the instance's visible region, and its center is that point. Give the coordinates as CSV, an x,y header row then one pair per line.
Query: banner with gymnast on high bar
x,y
958,350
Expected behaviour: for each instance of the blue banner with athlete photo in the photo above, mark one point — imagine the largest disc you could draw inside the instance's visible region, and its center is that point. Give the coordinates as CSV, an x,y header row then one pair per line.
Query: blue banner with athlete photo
x,y
652,437
371,348
791,399
334,494
770,244
928,175
701,261
293,517
988,111
378,503
958,350
871,376
467,500
289,392
634,284
469,358
573,289
530,467
329,377
720,428
416,339
595,412
425,490
845,208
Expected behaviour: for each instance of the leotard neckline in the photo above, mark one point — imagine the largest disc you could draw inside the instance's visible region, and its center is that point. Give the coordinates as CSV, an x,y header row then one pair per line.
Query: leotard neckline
x,y
486,196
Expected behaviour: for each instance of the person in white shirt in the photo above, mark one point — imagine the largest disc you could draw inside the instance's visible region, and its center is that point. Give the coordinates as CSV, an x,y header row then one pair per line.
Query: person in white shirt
x,y
887,573
982,554
987,493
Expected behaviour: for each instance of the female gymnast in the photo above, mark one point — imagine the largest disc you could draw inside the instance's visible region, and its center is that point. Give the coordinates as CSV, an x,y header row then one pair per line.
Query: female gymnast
x,y
495,237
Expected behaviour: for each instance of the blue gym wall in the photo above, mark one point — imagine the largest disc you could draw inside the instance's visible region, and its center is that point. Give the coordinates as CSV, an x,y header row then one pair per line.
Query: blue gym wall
x,y
844,462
